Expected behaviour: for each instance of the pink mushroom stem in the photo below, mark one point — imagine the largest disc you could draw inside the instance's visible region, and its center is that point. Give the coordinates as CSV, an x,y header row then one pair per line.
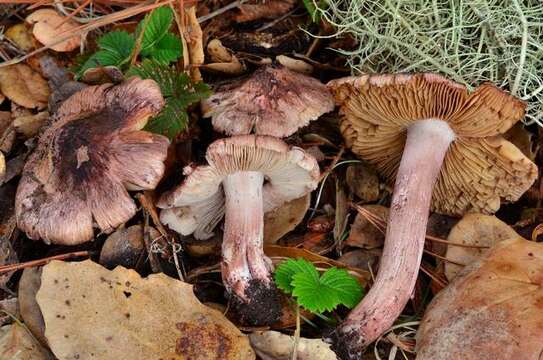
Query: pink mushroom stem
x,y
246,270
425,148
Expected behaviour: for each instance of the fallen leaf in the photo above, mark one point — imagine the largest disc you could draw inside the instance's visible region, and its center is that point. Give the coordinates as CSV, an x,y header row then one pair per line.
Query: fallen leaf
x,y
492,310
284,219
21,36
474,229
16,343
295,64
124,247
193,37
90,311
50,26
273,345
363,182
29,125
9,308
361,258
30,311
363,233
24,86
268,10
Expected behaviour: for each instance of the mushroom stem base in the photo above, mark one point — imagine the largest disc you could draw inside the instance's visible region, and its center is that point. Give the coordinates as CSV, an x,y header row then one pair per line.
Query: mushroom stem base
x,y
246,271
426,145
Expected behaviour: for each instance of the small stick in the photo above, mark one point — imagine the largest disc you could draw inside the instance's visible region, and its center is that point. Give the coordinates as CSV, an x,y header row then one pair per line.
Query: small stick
x,y
439,281
443,258
12,267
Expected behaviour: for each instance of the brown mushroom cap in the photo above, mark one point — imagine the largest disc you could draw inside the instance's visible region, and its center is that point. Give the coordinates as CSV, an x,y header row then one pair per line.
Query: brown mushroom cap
x,y
480,167
274,101
291,173
92,152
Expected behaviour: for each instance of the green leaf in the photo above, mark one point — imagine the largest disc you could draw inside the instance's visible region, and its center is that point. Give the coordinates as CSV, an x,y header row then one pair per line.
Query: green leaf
x,y
119,42
178,91
346,286
168,49
286,270
317,293
172,120
157,25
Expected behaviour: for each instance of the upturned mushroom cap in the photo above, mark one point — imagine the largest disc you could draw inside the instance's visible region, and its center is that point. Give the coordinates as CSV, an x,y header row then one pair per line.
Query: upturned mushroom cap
x,y
480,167
273,101
290,174
91,153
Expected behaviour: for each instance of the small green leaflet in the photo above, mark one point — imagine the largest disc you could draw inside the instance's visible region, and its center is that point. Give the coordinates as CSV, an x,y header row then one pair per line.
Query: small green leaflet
x,y
157,43
178,91
115,49
317,293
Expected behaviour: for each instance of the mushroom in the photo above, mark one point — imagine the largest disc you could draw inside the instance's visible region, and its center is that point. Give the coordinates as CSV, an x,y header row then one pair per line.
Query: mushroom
x,y
247,175
454,160
274,101
92,152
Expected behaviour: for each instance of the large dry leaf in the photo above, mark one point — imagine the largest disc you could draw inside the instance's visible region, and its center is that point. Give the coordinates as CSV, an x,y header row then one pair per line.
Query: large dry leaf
x,y
492,310
91,312
284,219
24,86
474,229
16,343
50,26
272,345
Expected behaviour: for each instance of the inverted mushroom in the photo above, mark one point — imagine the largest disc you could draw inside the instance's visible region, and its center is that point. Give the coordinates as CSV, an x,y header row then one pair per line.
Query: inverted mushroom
x,y
454,160
274,101
92,152
257,174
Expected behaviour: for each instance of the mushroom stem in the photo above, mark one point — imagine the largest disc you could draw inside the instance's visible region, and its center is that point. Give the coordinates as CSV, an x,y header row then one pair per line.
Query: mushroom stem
x,y
245,268
425,148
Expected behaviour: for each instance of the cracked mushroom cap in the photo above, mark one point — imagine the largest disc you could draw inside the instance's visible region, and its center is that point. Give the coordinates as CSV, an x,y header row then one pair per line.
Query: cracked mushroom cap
x,y
290,174
86,160
273,101
480,167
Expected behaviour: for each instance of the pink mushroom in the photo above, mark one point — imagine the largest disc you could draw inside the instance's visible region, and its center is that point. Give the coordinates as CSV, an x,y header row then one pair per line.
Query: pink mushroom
x,y
454,160
247,176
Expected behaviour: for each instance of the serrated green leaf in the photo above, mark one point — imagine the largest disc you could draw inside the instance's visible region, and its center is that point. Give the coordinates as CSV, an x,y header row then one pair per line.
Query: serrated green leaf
x,y
172,120
157,25
346,286
168,49
286,270
312,294
178,92
317,293
119,42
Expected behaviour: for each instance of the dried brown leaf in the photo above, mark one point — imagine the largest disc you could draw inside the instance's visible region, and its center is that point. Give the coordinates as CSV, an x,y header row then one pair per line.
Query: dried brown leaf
x,y
474,229
24,86
492,310
90,311
49,26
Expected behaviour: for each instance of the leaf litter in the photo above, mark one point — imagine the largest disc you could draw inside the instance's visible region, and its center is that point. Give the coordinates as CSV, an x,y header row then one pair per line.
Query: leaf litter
x,y
337,231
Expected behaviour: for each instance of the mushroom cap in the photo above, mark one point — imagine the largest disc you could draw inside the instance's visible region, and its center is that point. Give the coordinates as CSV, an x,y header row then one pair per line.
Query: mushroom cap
x,y
290,174
274,101
480,167
91,153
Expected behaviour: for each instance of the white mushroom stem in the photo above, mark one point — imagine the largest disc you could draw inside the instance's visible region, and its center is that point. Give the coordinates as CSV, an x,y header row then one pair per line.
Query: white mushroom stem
x,y
425,148
242,249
